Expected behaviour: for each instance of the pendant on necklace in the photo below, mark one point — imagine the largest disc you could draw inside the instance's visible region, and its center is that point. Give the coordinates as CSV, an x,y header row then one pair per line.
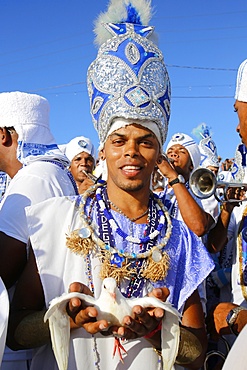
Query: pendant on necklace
x,y
156,255
117,260
84,233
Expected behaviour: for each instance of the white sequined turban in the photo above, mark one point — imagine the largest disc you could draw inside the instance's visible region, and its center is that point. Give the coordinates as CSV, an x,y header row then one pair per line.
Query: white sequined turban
x,y
128,79
241,85
209,156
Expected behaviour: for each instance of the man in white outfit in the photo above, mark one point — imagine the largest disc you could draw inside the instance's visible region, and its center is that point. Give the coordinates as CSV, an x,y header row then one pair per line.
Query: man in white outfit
x,y
37,168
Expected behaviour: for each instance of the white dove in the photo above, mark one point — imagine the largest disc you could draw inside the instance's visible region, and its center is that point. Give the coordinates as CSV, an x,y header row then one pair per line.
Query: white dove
x,y
113,307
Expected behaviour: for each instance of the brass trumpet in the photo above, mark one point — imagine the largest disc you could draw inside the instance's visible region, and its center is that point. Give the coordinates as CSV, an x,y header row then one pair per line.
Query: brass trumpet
x,y
203,184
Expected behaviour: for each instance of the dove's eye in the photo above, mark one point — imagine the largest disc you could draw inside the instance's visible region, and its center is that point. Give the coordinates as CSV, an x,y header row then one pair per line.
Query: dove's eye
x,y
104,287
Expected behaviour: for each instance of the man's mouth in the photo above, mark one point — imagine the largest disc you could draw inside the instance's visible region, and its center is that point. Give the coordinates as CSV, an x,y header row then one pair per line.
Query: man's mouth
x,y
131,170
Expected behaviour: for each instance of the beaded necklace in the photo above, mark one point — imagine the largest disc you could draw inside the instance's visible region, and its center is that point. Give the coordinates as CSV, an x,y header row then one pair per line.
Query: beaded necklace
x,y
86,241
122,213
120,232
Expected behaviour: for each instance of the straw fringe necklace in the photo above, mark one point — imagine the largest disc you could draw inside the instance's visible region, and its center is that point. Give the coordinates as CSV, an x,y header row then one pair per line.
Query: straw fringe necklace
x,y
119,263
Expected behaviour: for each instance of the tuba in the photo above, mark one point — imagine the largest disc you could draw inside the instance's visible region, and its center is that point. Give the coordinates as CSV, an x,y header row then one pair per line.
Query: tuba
x,y
203,184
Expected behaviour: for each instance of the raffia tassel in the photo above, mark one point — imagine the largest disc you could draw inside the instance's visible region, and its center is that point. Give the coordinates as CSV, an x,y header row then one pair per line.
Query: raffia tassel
x,y
155,271
118,273
79,245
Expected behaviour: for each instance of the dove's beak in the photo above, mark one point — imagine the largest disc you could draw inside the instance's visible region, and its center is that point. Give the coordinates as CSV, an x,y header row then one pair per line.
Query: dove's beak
x,y
113,295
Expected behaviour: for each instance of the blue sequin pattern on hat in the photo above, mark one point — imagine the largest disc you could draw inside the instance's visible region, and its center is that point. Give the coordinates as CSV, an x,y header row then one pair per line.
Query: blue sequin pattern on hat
x,y
129,79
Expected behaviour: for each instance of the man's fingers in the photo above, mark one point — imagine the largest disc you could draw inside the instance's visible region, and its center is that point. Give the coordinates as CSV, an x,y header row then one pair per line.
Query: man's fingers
x,y
85,315
79,287
95,327
160,293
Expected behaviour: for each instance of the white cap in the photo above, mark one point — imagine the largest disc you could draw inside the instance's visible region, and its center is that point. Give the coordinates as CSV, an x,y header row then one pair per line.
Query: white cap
x,y
241,85
78,145
28,114
190,144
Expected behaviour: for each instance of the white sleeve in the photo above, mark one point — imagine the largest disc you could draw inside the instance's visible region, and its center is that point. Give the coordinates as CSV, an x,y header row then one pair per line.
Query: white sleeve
x,y
4,314
22,192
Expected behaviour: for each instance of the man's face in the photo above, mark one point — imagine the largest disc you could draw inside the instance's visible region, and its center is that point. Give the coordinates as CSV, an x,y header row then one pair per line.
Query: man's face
x,y
181,160
241,109
131,154
81,162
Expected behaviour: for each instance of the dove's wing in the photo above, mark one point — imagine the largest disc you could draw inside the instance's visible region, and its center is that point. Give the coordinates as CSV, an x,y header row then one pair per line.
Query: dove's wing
x,y
59,325
170,332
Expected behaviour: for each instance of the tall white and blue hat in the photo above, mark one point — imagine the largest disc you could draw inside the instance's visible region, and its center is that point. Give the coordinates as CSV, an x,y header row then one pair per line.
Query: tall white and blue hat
x,y
207,146
128,79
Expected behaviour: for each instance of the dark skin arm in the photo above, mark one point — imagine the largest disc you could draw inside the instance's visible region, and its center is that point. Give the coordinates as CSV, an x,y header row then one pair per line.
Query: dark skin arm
x,y
216,320
13,258
28,304
193,321
193,215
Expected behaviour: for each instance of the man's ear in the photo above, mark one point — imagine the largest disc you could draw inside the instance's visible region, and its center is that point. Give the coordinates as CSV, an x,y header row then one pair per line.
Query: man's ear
x,y
159,159
4,135
102,154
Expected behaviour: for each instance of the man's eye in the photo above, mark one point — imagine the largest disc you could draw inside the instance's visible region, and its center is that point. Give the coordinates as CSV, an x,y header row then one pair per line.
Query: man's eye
x,y
118,142
145,142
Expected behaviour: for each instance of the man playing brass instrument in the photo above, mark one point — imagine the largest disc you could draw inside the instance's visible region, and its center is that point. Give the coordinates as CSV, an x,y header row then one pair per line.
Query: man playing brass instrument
x,y
231,317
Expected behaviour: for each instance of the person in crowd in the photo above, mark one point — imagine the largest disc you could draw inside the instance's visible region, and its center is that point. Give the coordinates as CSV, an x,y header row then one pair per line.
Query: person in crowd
x,y
121,229
183,158
231,317
184,153
30,156
81,153
227,164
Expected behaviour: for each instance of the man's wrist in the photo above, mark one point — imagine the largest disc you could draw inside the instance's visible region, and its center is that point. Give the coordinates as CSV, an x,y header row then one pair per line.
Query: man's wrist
x,y
232,318
177,180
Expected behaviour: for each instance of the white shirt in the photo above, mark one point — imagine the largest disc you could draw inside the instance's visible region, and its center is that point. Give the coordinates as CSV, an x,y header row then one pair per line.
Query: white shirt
x,y
233,227
32,184
4,314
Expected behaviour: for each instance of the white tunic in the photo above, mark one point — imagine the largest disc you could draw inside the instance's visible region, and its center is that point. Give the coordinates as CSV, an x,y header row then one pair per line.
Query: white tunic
x,y
58,267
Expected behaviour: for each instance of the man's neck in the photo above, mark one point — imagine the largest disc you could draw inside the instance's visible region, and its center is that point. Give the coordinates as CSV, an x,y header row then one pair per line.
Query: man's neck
x,y
12,168
131,203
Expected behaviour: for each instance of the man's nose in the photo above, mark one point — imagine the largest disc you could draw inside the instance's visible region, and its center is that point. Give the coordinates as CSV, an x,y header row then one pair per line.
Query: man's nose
x,y
132,149
173,154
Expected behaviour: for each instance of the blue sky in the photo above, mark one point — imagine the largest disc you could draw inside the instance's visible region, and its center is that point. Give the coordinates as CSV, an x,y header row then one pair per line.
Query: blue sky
x,y
46,47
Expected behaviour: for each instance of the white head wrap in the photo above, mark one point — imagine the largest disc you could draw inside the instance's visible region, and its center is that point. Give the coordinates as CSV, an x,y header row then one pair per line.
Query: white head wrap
x,y
78,145
118,123
190,144
241,85
29,115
